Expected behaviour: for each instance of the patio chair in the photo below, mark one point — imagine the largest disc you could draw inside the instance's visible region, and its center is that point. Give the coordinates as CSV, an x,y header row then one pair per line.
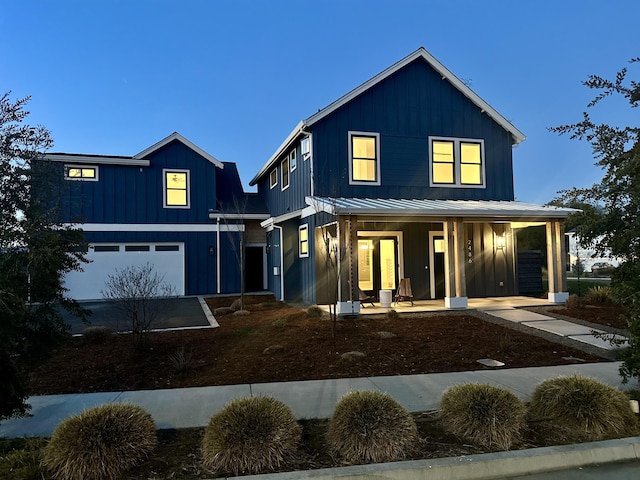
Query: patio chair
x,y
404,294
364,298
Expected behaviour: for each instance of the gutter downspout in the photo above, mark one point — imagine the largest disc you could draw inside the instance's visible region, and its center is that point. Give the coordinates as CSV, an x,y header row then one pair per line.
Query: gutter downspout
x,y
281,264
218,257
311,179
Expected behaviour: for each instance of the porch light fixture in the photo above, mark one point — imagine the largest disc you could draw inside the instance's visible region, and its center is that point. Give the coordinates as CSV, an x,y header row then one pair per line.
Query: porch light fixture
x,y
500,242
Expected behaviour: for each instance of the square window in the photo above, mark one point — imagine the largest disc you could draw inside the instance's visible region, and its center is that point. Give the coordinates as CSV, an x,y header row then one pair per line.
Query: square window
x,y
456,162
81,172
273,178
303,240
364,158
285,173
176,188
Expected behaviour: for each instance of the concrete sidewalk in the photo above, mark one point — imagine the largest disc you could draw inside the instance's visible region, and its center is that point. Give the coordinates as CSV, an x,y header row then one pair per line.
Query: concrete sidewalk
x,y
193,407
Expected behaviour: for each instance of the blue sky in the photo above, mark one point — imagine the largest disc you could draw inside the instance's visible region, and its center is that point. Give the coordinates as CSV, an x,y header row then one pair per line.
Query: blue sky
x,y
235,76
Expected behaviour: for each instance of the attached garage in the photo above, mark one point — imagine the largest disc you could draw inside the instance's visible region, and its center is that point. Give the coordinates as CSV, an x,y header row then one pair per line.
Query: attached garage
x,y
168,259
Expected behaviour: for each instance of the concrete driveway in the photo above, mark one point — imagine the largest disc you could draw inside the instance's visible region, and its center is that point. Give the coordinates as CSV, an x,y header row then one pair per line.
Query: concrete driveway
x,y
174,313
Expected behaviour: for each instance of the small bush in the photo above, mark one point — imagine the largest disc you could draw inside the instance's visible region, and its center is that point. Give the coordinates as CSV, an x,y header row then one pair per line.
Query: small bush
x,y
485,415
314,311
100,443
251,435
600,294
182,360
584,408
371,427
23,463
575,301
280,322
97,335
392,315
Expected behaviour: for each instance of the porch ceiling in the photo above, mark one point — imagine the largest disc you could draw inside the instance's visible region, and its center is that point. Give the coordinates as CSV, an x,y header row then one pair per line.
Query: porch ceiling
x,y
436,208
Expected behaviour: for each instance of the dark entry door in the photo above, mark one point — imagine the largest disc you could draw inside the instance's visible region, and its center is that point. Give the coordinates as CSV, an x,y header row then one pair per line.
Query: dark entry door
x,y
437,247
254,269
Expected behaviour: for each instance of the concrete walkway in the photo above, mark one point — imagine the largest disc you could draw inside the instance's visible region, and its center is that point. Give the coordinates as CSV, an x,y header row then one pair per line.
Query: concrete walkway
x,y
193,407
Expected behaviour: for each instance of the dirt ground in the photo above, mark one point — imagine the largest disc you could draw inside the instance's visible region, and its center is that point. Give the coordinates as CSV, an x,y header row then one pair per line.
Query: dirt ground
x,y
277,342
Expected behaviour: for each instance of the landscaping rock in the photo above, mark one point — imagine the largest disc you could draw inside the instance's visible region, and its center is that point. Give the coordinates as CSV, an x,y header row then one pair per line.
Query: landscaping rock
x,y
273,349
242,313
385,334
220,311
235,306
352,356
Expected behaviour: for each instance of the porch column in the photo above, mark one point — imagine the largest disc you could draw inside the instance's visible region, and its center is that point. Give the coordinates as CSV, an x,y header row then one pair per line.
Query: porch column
x,y
454,264
348,297
556,256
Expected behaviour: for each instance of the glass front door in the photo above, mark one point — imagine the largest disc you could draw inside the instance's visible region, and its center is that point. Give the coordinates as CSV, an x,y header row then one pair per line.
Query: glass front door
x,y
377,264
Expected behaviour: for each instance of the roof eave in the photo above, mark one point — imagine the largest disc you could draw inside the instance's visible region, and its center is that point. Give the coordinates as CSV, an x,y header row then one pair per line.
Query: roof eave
x,y
176,136
281,149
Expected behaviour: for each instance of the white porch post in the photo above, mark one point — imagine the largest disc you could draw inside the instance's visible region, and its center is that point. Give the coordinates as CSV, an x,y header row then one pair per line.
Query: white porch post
x,y
348,298
556,256
454,264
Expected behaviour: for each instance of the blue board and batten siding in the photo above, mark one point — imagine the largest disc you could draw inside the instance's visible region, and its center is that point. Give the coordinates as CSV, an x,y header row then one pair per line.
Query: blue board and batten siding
x,y
406,109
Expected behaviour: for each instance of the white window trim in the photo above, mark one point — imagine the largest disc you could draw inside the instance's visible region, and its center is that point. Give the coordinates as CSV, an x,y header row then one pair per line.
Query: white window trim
x,y
375,135
300,228
164,188
272,176
81,179
457,162
293,160
282,171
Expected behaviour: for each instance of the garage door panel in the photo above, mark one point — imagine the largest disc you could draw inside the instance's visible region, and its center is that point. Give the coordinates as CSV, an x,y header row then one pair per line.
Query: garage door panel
x,y
105,259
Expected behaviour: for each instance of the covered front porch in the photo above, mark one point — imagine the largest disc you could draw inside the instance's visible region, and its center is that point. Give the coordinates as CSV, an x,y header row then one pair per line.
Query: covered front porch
x,y
455,253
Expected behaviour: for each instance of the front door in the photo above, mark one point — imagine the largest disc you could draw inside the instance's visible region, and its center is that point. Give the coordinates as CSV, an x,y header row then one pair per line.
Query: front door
x,y
436,258
377,264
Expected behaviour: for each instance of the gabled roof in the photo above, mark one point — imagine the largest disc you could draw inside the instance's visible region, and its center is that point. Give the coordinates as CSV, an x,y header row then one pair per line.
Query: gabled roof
x,y
184,141
436,208
420,53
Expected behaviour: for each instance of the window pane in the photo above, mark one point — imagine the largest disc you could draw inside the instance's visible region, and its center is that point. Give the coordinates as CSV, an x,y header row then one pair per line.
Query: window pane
x,y
443,151
470,174
364,170
443,173
74,173
438,245
365,264
167,248
303,234
364,147
273,180
176,180
88,173
387,264
470,153
176,197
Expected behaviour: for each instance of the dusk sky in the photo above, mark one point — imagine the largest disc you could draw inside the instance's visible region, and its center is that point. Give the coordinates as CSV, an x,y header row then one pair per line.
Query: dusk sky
x,y
236,76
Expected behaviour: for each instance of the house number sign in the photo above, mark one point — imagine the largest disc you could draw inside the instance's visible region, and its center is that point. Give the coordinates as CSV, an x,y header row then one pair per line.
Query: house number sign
x,y
470,251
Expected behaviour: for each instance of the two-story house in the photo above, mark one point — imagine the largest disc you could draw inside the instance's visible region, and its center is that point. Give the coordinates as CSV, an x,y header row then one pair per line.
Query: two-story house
x,y
172,205
409,175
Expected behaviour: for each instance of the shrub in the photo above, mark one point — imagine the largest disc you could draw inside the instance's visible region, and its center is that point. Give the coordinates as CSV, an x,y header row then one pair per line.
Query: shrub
x,y
582,407
392,315
314,311
182,360
251,435
485,415
23,463
97,335
371,427
575,301
100,443
600,294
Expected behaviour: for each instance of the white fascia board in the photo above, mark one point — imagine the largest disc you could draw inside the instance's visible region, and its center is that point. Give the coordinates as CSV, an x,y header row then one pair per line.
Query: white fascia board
x,y
154,227
238,216
308,212
282,148
96,159
184,141
280,218
517,135
318,205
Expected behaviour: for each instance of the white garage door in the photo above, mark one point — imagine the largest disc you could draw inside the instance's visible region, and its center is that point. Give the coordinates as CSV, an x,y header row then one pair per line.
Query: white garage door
x,y
166,258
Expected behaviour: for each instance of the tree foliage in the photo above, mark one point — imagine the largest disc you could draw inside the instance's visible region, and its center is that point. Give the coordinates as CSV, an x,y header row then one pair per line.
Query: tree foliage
x,y
36,249
610,218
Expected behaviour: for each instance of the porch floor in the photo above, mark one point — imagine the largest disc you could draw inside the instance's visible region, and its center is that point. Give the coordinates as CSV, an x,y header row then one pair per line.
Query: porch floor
x,y
491,303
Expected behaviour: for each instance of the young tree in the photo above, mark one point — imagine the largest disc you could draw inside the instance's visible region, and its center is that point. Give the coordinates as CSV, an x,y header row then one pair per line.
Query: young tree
x,y
36,250
610,219
140,294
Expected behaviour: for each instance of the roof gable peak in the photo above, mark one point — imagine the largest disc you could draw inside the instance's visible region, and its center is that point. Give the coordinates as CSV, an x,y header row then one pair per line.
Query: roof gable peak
x,y
176,136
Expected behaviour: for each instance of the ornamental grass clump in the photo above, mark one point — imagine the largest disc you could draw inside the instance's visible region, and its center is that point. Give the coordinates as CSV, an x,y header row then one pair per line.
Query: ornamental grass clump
x,y
251,435
582,408
371,427
101,443
485,415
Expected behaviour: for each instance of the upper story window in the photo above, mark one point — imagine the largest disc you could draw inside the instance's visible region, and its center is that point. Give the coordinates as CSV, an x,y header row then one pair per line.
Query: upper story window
x,y
273,178
456,162
303,240
305,147
284,173
176,188
81,172
364,158
293,163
